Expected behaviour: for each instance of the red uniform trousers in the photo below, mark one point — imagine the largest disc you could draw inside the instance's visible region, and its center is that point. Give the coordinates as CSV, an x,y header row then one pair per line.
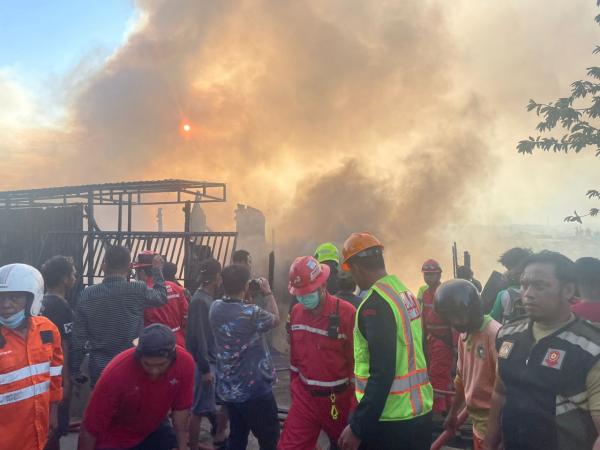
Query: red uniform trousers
x,y
309,414
477,443
440,358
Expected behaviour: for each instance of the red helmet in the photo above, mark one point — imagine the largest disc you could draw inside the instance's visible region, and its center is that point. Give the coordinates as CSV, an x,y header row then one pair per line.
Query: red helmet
x,y
307,275
431,266
144,259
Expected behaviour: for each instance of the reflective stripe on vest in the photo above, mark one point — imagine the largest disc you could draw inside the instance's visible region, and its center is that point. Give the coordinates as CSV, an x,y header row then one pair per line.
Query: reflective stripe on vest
x,y
415,389
328,384
400,385
571,403
25,372
25,393
411,394
586,344
299,327
438,327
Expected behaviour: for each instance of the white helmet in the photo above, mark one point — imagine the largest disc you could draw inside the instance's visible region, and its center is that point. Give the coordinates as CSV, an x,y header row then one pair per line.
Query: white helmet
x,y
23,278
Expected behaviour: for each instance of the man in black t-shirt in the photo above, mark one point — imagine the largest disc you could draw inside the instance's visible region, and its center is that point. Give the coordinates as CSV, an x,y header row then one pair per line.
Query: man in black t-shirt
x,y
59,277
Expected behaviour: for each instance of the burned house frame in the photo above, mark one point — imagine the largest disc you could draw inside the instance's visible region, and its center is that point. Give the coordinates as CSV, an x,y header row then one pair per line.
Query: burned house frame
x,y
38,223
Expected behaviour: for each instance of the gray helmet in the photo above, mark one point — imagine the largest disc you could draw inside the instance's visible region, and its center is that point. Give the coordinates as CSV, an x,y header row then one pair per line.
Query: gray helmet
x,y
459,298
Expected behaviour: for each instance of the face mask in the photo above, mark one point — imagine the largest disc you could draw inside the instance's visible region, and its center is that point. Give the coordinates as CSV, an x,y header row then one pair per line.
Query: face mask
x,y
310,301
13,321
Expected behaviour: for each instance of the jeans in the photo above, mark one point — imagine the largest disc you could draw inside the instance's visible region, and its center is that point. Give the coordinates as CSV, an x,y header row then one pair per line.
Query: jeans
x,y
163,438
258,415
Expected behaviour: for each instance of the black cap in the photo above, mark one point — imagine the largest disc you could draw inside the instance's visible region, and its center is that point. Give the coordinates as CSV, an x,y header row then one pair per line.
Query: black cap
x,y
209,268
156,340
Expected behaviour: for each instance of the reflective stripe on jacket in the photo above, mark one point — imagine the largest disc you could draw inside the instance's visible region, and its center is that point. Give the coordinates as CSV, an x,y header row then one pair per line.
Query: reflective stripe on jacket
x,y
172,314
322,362
30,378
433,324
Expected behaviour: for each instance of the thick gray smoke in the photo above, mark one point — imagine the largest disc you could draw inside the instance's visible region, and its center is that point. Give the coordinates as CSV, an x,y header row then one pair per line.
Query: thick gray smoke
x,y
332,116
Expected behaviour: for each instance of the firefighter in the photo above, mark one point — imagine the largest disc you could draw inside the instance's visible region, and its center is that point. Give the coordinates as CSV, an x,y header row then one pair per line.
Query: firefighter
x,y
392,385
328,254
439,339
321,328
31,362
174,313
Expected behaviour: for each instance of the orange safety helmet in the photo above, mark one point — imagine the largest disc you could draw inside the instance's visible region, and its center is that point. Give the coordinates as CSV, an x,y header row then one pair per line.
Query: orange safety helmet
x,y
431,266
358,243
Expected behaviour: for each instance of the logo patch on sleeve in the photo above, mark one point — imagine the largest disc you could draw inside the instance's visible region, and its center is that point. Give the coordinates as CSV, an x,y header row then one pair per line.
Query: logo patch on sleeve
x,y
505,349
554,358
46,337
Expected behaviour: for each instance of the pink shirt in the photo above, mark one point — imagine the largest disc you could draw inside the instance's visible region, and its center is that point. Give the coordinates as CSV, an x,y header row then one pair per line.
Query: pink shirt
x,y
589,310
476,366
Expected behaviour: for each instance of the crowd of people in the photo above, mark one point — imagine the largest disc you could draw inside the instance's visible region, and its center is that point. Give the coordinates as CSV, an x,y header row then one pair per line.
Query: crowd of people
x,y
371,364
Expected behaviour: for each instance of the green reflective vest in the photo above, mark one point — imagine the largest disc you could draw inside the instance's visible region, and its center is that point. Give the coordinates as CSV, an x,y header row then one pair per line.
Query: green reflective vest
x,y
411,394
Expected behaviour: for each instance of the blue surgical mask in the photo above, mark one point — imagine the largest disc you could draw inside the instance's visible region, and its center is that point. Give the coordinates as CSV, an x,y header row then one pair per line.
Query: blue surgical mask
x,y
310,301
13,321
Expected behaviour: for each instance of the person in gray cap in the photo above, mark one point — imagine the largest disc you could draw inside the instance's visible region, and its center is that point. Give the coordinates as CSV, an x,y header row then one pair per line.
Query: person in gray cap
x,y
136,391
200,342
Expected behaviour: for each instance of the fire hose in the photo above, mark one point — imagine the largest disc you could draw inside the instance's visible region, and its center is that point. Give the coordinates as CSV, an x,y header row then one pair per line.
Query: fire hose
x,y
447,435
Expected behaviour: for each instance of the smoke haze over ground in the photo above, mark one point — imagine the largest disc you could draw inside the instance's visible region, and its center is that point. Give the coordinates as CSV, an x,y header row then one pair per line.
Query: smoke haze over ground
x,y
330,116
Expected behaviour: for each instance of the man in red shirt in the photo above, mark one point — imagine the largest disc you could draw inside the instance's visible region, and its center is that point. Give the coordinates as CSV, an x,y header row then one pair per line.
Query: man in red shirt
x,y
587,271
321,359
135,393
439,339
174,313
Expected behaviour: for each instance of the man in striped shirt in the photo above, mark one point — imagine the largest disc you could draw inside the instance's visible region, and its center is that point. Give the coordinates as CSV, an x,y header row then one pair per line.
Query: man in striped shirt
x,y
110,315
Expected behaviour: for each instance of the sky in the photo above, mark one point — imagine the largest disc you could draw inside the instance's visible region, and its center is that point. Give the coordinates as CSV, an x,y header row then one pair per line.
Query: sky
x,y
398,116
45,38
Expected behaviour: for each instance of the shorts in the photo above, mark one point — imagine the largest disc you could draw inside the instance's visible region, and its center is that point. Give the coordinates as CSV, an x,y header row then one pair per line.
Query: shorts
x,y
204,397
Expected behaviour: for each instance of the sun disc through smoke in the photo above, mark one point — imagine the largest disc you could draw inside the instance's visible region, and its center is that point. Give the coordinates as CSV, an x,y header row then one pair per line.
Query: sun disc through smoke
x,y
187,127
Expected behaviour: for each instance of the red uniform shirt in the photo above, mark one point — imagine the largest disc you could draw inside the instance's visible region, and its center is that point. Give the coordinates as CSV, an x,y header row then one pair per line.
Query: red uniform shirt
x,y
432,322
126,406
172,314
587,310
318,360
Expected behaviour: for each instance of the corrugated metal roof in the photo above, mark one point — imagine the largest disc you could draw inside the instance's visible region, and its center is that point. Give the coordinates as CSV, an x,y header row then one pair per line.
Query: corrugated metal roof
x,y
106,192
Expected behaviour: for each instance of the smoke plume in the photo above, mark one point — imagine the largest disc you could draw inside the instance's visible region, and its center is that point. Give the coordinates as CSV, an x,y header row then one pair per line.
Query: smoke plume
x,y
331,116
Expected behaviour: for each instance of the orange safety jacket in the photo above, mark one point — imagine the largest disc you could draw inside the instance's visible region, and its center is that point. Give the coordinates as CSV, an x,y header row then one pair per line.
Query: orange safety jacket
x,y
30,379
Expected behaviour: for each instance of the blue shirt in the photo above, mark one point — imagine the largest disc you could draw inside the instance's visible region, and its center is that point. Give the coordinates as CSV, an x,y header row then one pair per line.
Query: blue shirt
x,y
244,368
